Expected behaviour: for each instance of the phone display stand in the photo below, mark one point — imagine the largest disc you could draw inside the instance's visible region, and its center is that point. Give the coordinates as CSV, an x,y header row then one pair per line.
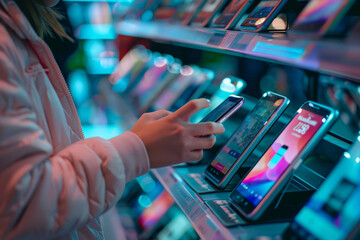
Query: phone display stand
x,y
199,184
276,27
283,209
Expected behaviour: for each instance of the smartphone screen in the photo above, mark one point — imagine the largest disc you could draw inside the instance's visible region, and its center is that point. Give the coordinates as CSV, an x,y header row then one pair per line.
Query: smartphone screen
x,y
229,86
167,9
151,77
176,88
138,7
130,68
188,9
199,84
280,156
223,111
319,13
333,212
261,13
234,7
151,215
248,130
208,9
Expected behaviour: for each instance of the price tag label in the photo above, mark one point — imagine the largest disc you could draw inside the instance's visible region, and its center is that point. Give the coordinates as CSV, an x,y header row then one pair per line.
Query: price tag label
x,y
228,39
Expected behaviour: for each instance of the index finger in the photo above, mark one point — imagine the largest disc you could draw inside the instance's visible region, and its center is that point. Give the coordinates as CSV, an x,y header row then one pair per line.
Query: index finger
x,y
189,109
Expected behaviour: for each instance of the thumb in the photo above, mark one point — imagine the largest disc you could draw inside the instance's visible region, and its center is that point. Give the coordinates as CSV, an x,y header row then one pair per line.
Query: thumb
x,y
186,111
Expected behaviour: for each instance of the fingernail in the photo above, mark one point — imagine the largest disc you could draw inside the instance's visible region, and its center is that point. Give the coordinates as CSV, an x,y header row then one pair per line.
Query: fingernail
x,y
207,100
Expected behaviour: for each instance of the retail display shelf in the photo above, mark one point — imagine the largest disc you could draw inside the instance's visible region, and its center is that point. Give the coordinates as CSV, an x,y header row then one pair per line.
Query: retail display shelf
x,y
110,1
331,56
203,220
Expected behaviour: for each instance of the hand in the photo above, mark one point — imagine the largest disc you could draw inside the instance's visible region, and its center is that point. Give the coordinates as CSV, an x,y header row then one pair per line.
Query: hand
x,y
171,139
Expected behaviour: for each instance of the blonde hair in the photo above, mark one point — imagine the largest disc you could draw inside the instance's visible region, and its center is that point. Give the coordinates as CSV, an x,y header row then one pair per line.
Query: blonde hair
x,y
44,19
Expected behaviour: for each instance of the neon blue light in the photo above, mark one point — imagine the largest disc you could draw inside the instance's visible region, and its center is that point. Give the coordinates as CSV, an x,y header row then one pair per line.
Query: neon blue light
x,y
146,183
96,31
101,65
79,86
113,1
280,51
104,131
147,16
76,14
93,48
144,201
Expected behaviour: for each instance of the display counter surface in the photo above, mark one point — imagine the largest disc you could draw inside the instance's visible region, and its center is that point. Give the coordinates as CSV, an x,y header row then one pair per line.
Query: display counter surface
x,y
203,220
329,56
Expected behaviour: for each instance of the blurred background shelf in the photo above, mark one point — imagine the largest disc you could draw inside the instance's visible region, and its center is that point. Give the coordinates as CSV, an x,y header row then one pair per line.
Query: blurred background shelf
x,y
330,56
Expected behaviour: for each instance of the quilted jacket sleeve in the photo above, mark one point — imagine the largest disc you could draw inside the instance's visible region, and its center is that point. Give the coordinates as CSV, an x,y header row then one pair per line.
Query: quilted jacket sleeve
x,y
45,195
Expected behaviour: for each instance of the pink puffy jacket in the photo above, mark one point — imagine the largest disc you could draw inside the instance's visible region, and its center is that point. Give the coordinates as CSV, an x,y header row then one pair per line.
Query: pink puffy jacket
x,y
53,183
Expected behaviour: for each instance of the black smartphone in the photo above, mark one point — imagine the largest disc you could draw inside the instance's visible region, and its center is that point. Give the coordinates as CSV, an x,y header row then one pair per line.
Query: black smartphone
x,y
262,16
224,110
250,132
232,14
270,174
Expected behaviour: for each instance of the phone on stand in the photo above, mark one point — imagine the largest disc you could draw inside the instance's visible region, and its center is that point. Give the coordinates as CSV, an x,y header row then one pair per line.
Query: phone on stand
x,y
202,80
207,13
321,17
262,16
267,178
172,72
188,11
150,79
333,211
141,10
250,132
130,68
232,14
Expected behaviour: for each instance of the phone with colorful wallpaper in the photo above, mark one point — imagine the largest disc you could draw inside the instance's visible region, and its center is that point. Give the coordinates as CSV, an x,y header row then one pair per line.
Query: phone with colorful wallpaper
x,y
167,9
201,81
175,89
232,14
188,11
207,13
320,17
153,76
263,14
250,132
270,174
333,212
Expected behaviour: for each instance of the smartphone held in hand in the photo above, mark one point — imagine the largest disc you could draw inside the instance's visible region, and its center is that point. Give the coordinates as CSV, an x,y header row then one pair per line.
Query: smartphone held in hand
x,y
222,112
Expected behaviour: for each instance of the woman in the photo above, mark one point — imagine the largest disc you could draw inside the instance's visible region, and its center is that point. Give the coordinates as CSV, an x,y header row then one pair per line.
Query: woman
x,y
55,183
